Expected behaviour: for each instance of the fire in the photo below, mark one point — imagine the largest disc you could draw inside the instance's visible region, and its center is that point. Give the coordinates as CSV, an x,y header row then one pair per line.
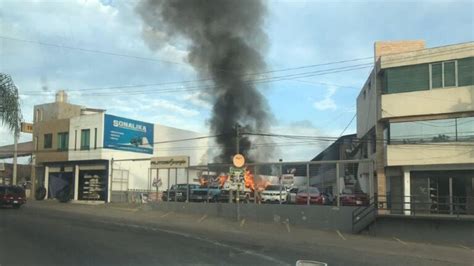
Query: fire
x,y
249,180
222,179
262,184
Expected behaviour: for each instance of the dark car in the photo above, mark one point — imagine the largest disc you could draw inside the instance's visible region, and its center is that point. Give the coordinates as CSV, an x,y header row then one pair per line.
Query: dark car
x,y
13,196
178,192
350,197
204,194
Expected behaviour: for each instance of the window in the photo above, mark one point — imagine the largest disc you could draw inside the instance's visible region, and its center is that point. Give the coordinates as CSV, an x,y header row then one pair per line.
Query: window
x,y
63,141
429,131
75,140
466,71
95,138
85,139
465,129
39,115
443,74
48,141
406,79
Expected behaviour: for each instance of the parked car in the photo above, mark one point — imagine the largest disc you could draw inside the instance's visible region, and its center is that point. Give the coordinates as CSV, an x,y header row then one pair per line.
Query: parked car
x,y
315,197
271,194
205,193
350,197
13,196
291,195
178,192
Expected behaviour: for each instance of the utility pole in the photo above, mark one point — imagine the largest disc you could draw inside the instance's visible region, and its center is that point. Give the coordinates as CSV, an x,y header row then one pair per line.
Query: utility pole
x,y
237,138
15,155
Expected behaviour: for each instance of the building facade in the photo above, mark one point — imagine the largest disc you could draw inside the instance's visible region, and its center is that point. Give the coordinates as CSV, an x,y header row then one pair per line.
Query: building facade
x,y
94,154
415,119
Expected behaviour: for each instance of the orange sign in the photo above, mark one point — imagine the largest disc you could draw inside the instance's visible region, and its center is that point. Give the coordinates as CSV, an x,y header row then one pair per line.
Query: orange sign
x,y
238,160
26,127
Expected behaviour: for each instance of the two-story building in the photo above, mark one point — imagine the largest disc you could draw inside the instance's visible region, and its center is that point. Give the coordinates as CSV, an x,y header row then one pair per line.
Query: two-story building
x,y
77,147
415,117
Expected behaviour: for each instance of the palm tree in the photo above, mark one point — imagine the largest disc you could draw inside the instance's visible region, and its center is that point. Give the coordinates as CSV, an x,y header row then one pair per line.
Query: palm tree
x,y
10,113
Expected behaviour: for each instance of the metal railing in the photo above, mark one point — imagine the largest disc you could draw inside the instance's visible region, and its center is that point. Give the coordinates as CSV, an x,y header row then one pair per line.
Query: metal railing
x,y
363,216
427,205
454,206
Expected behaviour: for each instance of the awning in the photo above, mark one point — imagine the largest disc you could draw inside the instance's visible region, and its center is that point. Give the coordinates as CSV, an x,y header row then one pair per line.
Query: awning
x,y
24,149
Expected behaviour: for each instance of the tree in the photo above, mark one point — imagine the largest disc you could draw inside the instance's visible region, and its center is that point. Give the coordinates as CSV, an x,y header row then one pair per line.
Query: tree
x,y
10,113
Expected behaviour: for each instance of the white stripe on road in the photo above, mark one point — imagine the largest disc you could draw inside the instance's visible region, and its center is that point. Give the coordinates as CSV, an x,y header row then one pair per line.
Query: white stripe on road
x,y
339,233
400,241
239,250
202,218
166,214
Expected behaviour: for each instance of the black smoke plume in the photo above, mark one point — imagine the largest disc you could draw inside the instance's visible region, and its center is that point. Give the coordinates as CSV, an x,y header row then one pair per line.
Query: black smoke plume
x,y
225,41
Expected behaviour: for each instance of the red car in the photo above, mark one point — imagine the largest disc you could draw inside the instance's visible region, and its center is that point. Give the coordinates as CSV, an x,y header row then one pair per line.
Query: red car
x,y
13,196
315,196
351,198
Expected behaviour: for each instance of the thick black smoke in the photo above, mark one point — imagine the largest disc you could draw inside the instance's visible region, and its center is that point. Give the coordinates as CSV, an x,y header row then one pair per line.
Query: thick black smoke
x,y
225,40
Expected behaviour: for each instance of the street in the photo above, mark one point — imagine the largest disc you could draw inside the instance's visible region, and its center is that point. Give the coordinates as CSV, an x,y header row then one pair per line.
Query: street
x,y
35,235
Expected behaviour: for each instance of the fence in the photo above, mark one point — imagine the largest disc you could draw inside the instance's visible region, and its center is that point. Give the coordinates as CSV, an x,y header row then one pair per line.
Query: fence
x,y
331,182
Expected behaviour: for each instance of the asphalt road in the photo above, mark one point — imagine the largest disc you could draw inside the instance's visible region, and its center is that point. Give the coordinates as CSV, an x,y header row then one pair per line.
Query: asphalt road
x,y
33,237
36,236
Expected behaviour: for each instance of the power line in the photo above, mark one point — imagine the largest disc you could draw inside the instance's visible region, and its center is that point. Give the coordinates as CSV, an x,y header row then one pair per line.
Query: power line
x,y
350,122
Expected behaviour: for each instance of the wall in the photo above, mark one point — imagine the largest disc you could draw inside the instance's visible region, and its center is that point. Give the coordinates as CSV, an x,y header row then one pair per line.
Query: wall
x,y
442,53
45,127
92,122
367,107
436,230
314,217
394,47
440,153
56,110
431,102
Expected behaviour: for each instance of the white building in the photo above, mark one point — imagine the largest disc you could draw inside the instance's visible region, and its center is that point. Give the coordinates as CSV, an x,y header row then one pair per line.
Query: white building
x,y
77,147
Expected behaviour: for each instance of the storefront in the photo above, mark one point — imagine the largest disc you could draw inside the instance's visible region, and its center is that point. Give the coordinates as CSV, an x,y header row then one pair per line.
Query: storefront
x,y
428,191
77,180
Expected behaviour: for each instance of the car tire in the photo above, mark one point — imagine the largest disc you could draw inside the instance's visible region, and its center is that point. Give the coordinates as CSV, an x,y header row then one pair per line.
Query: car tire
x,y
40,193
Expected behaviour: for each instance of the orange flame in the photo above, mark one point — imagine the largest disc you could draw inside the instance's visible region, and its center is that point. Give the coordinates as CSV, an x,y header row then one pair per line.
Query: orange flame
x,y
222,179
249,180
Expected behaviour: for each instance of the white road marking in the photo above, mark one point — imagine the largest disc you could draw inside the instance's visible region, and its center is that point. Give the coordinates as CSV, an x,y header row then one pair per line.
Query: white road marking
x,y
400,241
339,233
238,250
464,247
242,223
166,214
202,218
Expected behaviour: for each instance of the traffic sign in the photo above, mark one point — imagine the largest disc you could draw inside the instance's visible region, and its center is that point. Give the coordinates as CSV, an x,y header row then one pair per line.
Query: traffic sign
x,y
238,160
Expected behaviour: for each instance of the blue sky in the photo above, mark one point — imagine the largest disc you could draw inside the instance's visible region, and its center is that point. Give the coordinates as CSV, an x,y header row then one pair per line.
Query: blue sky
x,y
300,33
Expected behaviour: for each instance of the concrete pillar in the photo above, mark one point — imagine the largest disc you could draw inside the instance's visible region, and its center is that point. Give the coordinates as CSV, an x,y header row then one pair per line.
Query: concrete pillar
x,y
46,180
76,182
406,192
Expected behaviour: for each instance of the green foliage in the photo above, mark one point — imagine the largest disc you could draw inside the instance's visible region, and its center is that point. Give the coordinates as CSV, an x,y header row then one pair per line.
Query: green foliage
x,y
10,113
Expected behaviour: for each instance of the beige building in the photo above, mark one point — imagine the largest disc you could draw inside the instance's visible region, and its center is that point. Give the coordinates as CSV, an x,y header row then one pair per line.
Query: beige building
x,y
415,117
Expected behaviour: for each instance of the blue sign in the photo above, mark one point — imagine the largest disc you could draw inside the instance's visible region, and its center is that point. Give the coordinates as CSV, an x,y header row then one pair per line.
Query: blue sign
x,y
128,135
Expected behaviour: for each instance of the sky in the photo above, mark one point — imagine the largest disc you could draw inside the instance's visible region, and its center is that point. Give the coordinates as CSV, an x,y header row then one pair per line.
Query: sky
x,y
300,33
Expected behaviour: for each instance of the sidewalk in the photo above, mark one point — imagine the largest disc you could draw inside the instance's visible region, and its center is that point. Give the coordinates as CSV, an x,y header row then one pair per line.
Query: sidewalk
x,y
268,235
